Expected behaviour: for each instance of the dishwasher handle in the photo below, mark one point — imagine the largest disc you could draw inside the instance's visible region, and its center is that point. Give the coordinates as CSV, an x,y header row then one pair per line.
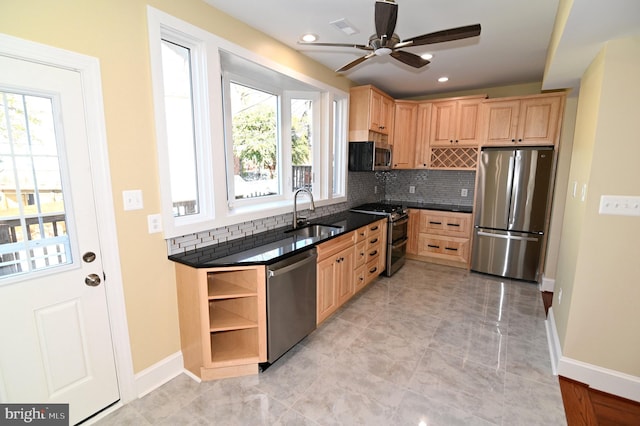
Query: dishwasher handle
x,y
275,272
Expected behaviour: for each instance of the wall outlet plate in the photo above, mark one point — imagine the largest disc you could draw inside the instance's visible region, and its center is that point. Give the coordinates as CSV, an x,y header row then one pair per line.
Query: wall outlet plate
x,y
619,205
412,189
154,223
464,192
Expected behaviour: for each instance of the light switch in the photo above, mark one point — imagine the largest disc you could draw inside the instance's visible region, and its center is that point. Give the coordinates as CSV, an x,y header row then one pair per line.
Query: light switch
x,y
620,205
132,199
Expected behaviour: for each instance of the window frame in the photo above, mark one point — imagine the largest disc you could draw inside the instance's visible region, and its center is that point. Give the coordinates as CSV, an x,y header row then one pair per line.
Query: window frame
x,y
209,130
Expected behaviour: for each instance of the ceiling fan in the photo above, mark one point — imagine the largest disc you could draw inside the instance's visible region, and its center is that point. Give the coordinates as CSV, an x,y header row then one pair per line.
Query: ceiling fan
x,y
386,42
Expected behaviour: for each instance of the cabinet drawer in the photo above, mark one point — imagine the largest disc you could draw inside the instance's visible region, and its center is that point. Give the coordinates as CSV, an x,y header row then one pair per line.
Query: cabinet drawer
x,y
336,245
445,223
361,234
373,252
451,248
361,253
372,270
360,277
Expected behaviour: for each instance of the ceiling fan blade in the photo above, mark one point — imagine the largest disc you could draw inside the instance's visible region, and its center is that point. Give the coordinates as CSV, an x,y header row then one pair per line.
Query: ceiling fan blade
x,y
355,46
442,36
386,14
356,62
409,58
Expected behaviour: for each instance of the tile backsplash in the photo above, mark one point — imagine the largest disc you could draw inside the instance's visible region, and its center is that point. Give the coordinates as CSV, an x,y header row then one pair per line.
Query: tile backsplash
x,y
360,190
431,186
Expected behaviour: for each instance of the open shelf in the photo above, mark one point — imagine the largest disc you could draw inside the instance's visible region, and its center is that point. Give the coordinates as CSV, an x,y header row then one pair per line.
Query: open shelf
x,y
234,347
221,289
232,314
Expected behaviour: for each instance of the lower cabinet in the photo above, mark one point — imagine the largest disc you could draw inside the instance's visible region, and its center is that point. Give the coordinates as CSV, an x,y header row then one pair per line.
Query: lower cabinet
x,y
439,237
347,264
222,314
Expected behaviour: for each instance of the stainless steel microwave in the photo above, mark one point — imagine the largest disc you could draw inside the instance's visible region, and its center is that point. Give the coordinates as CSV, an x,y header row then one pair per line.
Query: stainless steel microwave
x,y
369,156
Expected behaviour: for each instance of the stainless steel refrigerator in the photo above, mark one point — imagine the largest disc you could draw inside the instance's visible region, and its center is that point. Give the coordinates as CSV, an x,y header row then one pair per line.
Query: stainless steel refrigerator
x,y
511,211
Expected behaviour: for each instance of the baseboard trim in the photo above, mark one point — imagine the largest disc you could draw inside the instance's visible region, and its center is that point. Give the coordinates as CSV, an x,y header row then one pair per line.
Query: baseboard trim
x,y
553,341
158,374
599,378
548,284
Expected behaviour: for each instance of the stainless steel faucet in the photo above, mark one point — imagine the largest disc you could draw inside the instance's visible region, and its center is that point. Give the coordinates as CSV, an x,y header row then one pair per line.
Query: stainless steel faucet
x,y
295,207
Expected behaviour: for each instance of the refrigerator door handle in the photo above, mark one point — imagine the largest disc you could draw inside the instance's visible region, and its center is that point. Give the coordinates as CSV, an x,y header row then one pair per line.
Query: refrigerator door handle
x,y
507,237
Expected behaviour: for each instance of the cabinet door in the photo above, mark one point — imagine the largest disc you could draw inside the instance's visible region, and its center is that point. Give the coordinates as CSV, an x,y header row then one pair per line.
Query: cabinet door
x,y
538,121
327,298
413,231
500,122
423,127
467,123
445,223
387,115
375,111
443,124
344,275
404,137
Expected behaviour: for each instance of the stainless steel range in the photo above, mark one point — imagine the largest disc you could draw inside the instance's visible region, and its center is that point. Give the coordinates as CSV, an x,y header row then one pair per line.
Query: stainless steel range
x,y
398,220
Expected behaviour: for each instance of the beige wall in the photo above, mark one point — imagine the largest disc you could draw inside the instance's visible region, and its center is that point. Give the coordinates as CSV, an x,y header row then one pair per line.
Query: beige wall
x,y
115,32
597,320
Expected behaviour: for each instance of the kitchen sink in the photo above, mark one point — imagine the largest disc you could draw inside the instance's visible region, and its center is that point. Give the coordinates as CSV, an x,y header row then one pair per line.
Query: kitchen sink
x,y
315,230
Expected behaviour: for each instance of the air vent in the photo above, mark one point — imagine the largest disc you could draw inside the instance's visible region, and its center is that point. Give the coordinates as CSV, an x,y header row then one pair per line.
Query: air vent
x,y
344,26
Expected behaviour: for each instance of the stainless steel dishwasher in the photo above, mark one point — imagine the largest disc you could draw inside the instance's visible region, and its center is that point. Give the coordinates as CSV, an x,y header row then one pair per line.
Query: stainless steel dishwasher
x,y
291,302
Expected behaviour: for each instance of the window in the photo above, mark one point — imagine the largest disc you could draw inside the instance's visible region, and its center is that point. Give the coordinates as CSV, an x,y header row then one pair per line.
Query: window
x,y
254,146
178,106
238,133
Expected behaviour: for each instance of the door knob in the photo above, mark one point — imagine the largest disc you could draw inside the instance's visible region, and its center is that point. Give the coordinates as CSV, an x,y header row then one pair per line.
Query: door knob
x,y
92,280
89,257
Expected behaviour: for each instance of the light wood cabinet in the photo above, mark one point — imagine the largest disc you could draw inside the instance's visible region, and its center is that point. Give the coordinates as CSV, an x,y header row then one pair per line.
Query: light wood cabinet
x,y
439,237
455,122
347,264
422,150
531,120
370,110
222,313
404,134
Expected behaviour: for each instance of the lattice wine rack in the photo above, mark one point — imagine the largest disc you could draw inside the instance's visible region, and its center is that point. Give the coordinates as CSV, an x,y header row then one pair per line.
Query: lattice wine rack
x,y
454,158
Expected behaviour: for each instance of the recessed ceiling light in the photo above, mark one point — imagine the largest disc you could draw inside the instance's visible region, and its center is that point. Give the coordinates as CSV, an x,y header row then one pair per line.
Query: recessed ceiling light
x,y
427,56
443,79
309,38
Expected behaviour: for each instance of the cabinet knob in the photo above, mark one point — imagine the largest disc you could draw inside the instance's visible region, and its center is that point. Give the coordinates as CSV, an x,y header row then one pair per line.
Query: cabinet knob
x,y
513,140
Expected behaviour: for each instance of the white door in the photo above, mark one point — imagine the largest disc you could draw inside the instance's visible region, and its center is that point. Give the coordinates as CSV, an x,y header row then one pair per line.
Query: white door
x,y
56,345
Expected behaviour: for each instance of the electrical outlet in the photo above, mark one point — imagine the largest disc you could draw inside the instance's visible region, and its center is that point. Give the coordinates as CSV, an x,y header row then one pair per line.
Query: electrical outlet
x,y
154,223
412,189
619,205
375,189
132,199
464,192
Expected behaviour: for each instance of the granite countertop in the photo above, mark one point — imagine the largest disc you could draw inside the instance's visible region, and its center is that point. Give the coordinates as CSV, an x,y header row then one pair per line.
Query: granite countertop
x,y
268,247
433,206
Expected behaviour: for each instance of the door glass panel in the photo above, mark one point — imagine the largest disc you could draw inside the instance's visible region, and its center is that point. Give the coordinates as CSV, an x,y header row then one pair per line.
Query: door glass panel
x,y
33,227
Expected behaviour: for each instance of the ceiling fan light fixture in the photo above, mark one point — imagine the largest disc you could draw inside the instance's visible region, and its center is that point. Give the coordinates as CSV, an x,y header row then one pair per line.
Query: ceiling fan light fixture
x,y
443,79
427,56
383,51
309,38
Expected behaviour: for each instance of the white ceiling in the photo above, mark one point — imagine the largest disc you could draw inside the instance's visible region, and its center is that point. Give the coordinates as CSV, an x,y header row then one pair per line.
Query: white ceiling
x,y
511,49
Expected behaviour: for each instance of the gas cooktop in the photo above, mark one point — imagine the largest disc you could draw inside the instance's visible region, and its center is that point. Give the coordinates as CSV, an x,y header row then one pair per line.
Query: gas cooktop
x,y
393,210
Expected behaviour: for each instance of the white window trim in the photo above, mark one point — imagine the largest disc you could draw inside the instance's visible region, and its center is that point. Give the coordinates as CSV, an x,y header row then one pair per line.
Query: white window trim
x,y
212,178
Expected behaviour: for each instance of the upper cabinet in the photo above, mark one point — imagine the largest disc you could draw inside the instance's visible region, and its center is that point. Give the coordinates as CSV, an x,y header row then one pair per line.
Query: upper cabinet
x,y
530,120
455,122
422,150
404,134
370,110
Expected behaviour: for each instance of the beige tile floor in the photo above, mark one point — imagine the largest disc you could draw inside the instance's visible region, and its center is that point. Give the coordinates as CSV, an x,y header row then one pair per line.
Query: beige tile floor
x,y
430,346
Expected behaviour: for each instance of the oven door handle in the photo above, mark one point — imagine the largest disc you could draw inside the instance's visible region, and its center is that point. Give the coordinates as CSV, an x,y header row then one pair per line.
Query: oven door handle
x,y
400,244
400,222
